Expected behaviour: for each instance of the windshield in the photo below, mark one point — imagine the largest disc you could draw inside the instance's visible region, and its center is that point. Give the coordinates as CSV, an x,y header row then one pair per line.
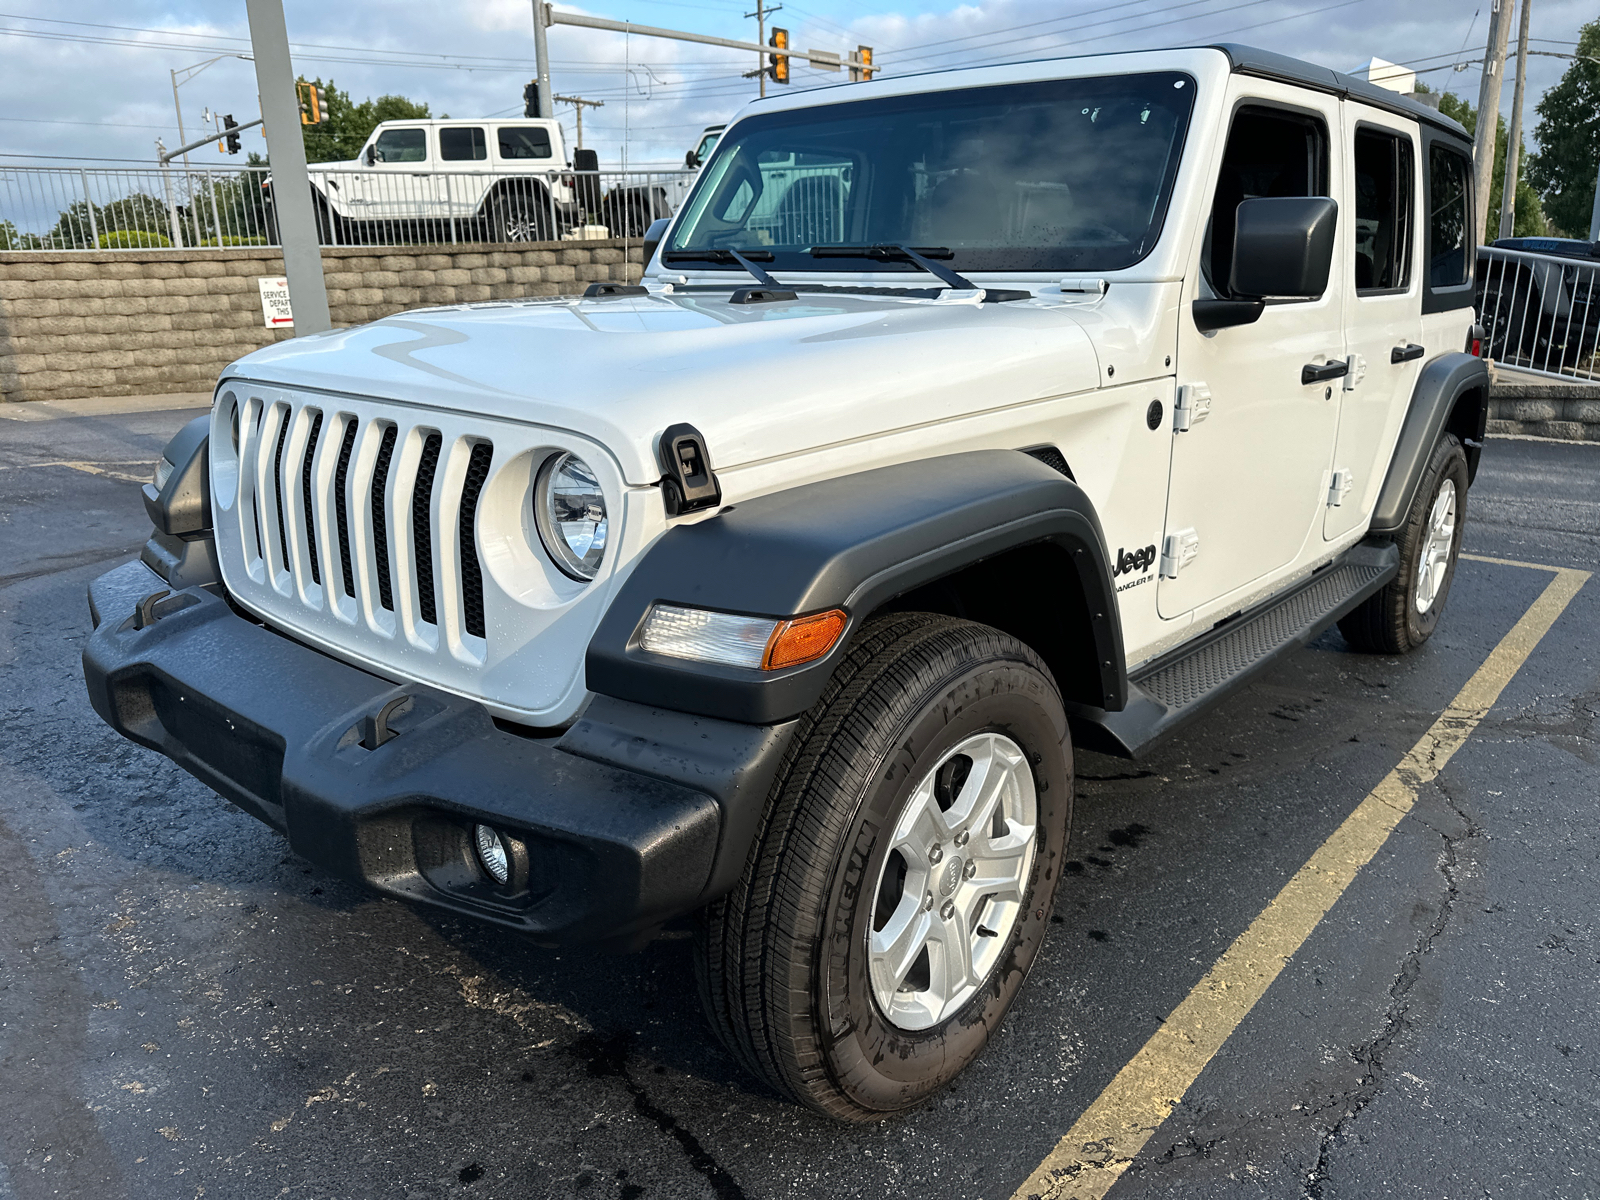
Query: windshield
x,y
1069,174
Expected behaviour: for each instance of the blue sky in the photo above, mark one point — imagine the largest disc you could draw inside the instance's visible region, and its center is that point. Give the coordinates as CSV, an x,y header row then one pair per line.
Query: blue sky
x,y
91,79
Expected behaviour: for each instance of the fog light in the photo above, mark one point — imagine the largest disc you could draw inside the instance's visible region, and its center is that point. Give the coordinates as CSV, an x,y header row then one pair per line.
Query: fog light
x,y
492,855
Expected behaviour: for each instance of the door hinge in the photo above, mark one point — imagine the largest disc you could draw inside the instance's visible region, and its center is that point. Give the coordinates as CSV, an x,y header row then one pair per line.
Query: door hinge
x,y
1356,373
1343,480
1193,406
1178,551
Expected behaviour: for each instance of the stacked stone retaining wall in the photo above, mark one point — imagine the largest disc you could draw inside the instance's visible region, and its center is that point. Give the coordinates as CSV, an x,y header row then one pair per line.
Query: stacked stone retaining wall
x,y
1522,405
130,323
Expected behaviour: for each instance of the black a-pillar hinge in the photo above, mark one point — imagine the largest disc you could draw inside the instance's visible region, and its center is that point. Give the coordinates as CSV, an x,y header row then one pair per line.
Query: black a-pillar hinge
x,y
689,484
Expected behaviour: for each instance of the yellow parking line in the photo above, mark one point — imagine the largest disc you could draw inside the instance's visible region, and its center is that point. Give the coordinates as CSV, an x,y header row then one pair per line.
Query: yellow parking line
x,y
110,470
1111,1132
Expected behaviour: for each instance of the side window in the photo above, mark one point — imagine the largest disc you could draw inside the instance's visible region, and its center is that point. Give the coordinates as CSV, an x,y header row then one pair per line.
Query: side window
x,y
1447,217
462,143
1383,175
524,141
1269,153
401,145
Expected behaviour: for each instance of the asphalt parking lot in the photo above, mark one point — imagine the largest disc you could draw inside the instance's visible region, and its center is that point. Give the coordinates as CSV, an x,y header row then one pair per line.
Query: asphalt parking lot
x,y
188,1010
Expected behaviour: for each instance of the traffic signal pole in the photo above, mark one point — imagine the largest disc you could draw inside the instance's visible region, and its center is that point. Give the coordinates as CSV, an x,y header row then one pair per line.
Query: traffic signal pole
x,y
291,185
542,20
821,58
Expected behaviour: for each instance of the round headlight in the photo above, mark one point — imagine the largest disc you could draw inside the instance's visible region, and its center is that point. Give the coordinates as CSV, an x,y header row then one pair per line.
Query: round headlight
x,y
570,512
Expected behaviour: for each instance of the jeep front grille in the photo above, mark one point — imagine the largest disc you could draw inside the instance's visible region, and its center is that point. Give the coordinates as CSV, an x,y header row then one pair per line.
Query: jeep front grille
x,y
401,537
329,498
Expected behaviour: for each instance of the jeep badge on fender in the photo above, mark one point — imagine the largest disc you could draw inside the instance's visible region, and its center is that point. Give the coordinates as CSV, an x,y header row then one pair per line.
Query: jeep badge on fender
x,y
775,589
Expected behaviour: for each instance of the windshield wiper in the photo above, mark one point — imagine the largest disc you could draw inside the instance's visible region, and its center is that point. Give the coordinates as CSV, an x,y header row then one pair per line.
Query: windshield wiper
x,y
729,256
888,252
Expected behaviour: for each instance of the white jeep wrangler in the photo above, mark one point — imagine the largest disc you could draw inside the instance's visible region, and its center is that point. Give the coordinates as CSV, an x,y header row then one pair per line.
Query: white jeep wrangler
x,y
961,418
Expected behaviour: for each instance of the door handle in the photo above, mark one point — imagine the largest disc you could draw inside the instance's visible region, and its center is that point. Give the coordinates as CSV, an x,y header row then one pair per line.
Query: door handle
x,y
1338,368
1407,353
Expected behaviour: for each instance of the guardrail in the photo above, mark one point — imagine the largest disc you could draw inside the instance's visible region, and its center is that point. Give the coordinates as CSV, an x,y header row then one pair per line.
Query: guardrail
x,y
388,204
1540,312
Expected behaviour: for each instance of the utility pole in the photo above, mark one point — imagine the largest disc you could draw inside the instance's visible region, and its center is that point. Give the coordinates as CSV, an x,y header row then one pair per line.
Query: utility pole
x,y
1508,193
1494,69
291,186
761,14
579,104
541,52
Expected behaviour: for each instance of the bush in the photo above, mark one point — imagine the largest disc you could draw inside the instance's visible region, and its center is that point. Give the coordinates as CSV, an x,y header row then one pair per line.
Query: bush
x,y
132,239
235,241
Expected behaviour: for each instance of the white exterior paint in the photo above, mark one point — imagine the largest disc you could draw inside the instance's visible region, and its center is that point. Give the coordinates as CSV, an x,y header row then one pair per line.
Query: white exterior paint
x,y
797,392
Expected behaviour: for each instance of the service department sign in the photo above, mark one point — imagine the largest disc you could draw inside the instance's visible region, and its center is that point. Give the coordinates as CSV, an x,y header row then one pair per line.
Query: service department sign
x,y
275,310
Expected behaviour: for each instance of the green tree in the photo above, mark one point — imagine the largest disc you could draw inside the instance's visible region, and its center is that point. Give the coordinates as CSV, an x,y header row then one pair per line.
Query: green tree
x,y
347,125
1530,218
1569,139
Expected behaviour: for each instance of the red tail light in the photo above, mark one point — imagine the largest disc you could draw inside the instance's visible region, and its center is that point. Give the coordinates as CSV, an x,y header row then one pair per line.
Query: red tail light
x,y
1477,347
572,180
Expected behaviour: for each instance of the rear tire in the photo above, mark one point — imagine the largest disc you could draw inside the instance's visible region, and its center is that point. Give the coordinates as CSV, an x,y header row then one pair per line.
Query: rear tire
x,y
1404,614
800,966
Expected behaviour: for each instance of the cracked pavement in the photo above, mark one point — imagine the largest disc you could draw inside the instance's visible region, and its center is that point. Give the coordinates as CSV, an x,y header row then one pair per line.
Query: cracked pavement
x,y
187,1009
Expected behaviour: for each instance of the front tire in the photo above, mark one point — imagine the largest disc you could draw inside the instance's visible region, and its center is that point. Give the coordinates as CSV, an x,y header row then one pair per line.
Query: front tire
x,y
902,880
515,217
1404,614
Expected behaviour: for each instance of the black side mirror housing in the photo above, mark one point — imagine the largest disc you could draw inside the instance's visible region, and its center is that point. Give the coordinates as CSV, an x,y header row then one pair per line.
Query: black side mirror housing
x,y
691,160
653,236
371,155
1283,246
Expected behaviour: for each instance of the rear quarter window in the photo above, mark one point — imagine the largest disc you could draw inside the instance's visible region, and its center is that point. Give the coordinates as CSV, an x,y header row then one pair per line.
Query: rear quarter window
x,y
524,142
1449,229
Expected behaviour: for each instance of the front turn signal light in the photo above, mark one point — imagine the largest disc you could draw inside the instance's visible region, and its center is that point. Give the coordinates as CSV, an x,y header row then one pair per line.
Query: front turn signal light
x,y
755,643
804,639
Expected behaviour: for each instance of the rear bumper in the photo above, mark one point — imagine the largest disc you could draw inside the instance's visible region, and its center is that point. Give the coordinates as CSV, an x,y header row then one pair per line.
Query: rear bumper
x,y
631,817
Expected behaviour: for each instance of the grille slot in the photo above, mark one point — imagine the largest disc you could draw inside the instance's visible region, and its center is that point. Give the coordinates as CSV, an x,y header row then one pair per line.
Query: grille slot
x,y
341,506
277,488
471,569
422,527
380,517
305,495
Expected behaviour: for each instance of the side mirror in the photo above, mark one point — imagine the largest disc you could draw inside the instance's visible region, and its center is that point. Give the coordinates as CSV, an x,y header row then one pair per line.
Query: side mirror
x,y
691,160
371,155
653,236
1282,247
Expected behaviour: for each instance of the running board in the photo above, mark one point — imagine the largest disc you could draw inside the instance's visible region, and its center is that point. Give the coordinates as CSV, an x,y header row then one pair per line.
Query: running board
x,y
1164,694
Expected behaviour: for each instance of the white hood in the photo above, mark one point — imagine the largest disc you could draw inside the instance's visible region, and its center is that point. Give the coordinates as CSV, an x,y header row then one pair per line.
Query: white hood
x,y
760,381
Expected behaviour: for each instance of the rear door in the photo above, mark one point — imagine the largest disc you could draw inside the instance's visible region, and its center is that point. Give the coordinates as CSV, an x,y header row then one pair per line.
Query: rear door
x,y
464,172
1382,307
1249,477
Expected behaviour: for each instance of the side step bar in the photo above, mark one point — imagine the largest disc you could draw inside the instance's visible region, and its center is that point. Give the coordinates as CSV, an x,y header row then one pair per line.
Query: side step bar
x,y
1164,694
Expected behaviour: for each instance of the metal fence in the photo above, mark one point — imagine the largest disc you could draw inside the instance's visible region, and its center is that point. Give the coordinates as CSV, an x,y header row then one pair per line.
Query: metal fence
x,y
87,208
1539,312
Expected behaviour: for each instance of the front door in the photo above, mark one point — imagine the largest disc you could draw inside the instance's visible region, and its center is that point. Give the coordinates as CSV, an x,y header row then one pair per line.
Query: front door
x,y
1383,312
399,182
1250,476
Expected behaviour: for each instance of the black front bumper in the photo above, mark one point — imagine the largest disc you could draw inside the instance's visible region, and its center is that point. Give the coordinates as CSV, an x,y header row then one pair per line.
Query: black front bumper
x,y
632,816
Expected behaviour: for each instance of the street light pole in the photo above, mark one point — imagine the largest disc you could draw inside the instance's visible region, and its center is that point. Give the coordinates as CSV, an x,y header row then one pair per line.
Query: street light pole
x,y
291,185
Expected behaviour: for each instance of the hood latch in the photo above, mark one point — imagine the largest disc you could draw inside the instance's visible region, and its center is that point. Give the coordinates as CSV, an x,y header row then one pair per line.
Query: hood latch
x,y
689,484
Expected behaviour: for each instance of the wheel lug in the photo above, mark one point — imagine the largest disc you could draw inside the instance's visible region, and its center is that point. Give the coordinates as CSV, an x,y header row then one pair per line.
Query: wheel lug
x,y
970,869
962,837
935,855
927,902
948,910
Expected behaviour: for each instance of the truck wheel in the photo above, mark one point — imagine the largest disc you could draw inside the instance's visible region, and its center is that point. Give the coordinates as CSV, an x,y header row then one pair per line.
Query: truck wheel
x,y
903,876
1405,613
518,218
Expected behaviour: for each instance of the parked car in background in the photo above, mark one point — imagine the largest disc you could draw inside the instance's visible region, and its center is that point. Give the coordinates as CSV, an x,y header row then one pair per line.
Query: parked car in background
x,y
500,181
1538,301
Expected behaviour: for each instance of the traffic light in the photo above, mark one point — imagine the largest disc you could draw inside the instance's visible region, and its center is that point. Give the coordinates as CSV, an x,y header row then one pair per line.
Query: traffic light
x,y
228,127
779,70
530,99
864,69
313,103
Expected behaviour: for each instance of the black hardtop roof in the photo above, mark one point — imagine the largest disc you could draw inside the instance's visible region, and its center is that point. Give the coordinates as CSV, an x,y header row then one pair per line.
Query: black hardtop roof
x,y
1249,60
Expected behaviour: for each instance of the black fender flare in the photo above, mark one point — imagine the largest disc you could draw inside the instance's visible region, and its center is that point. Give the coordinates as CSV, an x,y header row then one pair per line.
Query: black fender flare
x,y
1451,393
853,542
